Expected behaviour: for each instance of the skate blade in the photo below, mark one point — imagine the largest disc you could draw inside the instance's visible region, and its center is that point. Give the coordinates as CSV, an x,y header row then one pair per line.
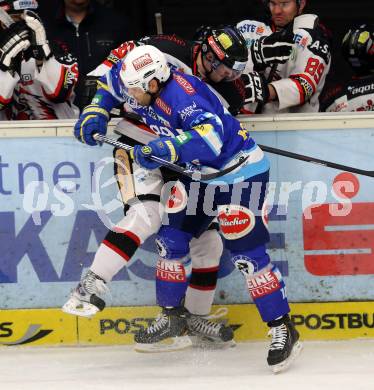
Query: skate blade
x,y
169,345
78,308
206,343
285,364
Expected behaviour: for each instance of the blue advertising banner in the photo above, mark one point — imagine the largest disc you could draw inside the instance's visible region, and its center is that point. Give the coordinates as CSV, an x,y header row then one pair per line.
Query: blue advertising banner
x,y
53,217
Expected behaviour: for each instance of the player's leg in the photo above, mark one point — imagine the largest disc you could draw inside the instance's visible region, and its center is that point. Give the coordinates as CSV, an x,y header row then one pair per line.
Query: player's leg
x,y
140,190
169,330
205,254
174,264
245,231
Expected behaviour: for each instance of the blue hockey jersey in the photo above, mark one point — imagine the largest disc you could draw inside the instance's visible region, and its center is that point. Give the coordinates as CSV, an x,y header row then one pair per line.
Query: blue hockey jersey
x,y
206,133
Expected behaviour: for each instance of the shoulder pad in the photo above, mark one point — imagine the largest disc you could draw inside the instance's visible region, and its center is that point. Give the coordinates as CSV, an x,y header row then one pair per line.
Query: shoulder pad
x,y
306,21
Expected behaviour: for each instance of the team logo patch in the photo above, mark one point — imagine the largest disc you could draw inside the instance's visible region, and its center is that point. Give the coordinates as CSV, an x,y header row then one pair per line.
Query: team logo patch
x,y
235,221
146,150
161,248
245,265
177,199
142,61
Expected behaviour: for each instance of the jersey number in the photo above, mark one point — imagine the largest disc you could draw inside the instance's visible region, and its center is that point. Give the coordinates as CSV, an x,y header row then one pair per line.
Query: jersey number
x,y
315,69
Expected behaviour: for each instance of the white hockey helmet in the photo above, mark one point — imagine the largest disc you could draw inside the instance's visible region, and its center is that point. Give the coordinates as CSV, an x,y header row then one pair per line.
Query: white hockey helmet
x,y
143,64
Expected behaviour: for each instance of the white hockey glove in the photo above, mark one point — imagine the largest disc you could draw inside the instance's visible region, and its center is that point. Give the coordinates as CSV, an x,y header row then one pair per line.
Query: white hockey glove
x,y
273,49
13,41
39,43
256,88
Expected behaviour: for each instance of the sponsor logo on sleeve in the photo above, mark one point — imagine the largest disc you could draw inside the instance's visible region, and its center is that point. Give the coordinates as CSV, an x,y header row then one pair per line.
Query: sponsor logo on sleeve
x,y
188,88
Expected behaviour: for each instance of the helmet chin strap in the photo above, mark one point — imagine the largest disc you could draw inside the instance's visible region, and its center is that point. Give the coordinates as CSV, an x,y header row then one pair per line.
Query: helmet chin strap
x,y
206,71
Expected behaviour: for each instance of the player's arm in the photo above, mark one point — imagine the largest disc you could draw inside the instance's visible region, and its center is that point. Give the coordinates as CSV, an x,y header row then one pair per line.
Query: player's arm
x,y
308,71
265,47
57,70
13,41
95,116
202,138
114,57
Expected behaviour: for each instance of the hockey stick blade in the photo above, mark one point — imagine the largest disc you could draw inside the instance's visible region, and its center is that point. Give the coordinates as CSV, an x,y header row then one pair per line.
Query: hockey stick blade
x,y
194,175
314,160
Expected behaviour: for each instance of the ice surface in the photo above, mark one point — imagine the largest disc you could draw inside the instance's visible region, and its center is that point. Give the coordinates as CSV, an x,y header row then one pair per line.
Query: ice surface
x,y
321,366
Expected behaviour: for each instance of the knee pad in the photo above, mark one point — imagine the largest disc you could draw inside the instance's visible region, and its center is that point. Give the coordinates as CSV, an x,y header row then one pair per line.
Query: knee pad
x,y
143,219
173,243
206,250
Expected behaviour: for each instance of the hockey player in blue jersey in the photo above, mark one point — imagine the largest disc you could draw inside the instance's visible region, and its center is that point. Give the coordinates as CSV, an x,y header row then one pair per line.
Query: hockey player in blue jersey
x,y
206,136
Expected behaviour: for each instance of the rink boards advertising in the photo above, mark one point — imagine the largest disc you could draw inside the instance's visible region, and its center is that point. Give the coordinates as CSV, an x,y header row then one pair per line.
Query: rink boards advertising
x,y
117,325
52,217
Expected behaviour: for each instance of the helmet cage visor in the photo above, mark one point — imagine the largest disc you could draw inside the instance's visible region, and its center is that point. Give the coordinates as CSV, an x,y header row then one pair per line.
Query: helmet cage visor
x,y
229,73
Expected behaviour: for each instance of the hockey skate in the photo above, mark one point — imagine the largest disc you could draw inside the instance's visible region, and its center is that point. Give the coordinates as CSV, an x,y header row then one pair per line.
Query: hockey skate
x,y
167,333
84,300
205,333
285,345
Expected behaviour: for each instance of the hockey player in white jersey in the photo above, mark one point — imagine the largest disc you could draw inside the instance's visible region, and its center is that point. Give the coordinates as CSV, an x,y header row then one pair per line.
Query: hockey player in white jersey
x,y
358,93
36,80
296,85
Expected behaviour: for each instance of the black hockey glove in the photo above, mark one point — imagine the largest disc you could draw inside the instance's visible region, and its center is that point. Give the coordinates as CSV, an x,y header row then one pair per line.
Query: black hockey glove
x,y
273,49
256,88
40,48
13,41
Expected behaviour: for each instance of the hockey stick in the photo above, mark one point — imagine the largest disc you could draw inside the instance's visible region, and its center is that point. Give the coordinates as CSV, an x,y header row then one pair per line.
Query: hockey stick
x,y
314,160
195,175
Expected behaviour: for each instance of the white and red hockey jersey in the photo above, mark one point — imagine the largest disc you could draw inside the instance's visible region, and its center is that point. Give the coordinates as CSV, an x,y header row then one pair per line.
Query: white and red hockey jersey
x,y
300,80
40,92
355,95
